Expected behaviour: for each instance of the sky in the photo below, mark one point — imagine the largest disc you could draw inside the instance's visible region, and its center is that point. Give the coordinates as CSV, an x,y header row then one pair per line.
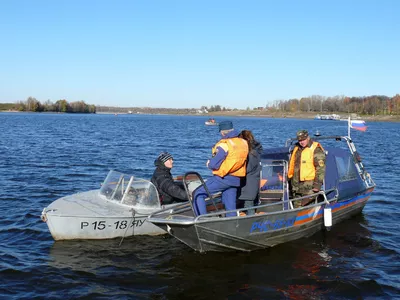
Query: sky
x,y
188,54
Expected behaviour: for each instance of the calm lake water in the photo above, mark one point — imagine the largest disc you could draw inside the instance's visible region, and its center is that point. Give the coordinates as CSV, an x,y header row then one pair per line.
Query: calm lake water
x,y
47,156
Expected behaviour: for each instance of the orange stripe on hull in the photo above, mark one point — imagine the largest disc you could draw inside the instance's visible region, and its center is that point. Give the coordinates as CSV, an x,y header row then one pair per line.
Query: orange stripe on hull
x,y
314,216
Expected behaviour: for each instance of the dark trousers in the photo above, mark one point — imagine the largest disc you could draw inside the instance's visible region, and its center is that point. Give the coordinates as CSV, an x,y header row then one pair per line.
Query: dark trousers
x,y
248,203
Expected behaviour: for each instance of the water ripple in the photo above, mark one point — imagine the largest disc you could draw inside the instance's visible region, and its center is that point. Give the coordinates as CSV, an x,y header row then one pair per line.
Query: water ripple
x,y
47,156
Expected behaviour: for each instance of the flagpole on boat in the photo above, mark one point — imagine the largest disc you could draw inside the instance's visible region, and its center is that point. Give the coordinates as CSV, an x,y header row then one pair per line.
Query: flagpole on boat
x,y
348,127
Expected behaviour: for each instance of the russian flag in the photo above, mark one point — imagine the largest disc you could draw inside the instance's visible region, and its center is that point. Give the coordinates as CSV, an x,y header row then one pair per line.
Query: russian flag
x,y
358,125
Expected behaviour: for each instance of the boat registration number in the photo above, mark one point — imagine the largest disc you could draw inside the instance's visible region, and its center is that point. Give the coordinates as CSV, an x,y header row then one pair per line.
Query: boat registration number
x,y
102,225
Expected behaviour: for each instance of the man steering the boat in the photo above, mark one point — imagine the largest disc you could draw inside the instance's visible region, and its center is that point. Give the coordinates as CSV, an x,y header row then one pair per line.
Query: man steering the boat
x,y
168,190
228,165
306,168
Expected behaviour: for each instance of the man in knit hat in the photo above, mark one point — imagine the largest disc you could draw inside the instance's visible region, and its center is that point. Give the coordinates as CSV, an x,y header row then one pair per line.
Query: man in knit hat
x,y
168,190
228,165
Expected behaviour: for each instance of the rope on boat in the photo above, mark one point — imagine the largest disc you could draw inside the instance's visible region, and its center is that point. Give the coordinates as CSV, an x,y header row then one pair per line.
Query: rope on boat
x,y
126,230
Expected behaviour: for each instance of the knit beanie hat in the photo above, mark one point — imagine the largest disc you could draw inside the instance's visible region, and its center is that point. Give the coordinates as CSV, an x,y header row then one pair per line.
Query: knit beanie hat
x,y
164,156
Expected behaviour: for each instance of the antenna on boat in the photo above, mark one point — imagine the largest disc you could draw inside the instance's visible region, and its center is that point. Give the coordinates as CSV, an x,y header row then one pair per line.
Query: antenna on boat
x,y
348,127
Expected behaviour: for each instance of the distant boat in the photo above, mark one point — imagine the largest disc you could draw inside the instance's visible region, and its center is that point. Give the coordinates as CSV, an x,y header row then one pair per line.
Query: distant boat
x,y
334,117
211,122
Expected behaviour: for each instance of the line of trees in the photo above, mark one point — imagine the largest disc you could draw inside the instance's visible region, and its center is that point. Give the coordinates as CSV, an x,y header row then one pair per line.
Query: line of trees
x,y
33,105
215,108
367,105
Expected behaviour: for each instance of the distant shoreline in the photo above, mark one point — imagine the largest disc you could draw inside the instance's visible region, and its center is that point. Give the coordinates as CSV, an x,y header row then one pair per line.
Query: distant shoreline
x,y
240,113
258,114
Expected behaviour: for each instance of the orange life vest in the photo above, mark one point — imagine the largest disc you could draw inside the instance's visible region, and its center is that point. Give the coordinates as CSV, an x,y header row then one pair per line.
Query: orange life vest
x,y
307,168
235,162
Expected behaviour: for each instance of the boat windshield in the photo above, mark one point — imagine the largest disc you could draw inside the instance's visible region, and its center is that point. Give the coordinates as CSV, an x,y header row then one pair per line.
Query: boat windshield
x,y
273,175
128,190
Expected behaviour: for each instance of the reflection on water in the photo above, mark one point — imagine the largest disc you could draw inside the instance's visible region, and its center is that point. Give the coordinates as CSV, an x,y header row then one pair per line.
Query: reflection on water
x,y
92,255
306,269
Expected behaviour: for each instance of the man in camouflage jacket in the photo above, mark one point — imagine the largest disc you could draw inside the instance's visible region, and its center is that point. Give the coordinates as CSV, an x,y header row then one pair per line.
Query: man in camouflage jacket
x,y
306,186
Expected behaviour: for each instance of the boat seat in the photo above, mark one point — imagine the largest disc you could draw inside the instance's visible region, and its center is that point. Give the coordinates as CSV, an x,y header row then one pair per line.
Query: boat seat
x,y
271,197
218,203
214,196
271,194
217,207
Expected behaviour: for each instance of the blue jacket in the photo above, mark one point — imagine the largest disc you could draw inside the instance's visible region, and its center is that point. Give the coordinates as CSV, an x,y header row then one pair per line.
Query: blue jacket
x,y
216,161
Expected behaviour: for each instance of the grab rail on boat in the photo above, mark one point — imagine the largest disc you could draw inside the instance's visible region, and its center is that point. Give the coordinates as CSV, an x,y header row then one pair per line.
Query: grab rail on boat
x,y
186,181
184,207
368,180
180,208
323,193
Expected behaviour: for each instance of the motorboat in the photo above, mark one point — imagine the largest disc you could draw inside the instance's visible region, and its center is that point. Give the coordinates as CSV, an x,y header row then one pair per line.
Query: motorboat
x,y
118,209
346,190
211,122
331,117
